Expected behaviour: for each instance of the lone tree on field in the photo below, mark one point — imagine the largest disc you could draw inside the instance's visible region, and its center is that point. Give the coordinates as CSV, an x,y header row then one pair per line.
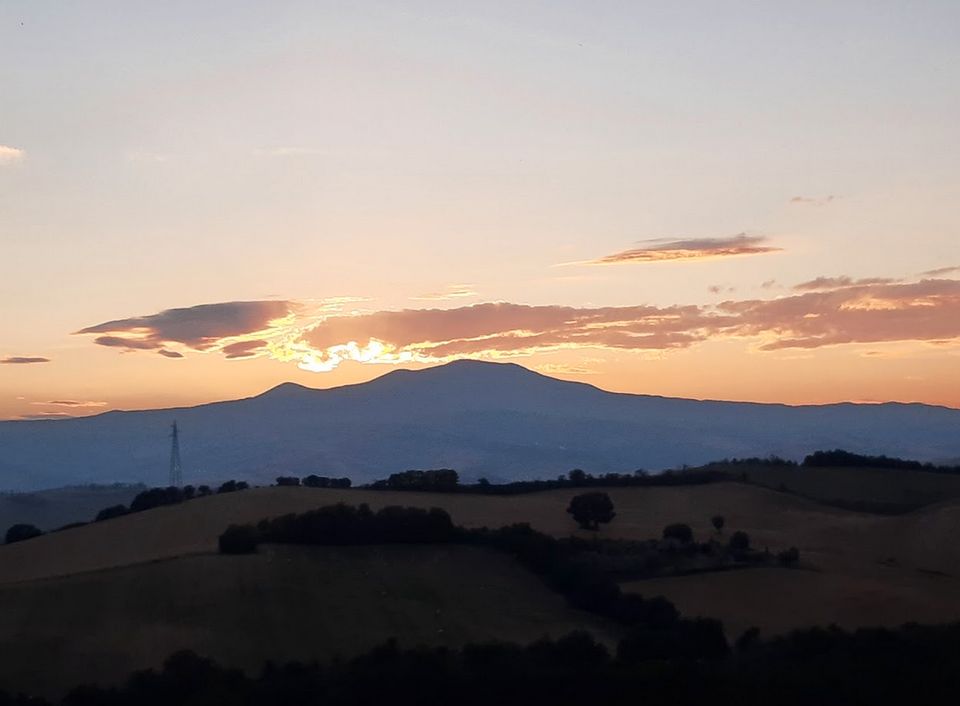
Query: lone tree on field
x,y
590,509
718,522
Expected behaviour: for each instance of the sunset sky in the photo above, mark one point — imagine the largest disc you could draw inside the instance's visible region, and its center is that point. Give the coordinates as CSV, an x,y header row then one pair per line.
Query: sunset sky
x,y
717,199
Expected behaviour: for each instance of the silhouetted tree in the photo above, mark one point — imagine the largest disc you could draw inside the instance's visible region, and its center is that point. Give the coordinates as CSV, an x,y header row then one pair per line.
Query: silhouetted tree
x,y
288,481
679,531
21,532
204,490
718,521
748,639
229,486
740,542
577,476
590,509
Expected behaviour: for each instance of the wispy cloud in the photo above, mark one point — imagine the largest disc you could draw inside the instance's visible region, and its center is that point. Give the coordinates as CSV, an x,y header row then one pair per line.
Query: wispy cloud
x,y
826,283
23,360
691,249
202,327
71,403
169,354
46,415
814,200
941,271
9,155
454,291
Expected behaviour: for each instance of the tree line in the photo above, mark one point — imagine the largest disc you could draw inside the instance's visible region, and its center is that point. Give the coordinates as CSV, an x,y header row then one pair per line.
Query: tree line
x,y
145,500
908,665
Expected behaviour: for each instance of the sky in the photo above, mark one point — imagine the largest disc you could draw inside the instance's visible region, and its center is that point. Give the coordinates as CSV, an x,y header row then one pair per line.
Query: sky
x,y
725,200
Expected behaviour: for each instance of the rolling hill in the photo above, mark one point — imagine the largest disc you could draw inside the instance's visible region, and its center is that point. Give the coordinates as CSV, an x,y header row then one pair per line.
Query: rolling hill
x,y
94,602
501,421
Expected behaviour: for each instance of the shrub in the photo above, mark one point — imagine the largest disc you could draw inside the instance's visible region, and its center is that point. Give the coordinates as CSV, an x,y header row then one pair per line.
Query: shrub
x,y
789,556
108,513
679,531
700,638
239,539
21,532
288,481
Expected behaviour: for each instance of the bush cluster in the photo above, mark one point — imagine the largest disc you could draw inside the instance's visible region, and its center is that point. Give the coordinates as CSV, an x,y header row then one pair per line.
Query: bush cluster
x,y
21,532
439,480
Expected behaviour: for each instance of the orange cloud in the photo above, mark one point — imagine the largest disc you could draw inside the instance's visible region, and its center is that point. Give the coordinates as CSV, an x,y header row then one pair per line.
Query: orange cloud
x,y
692,249
862,311
23,360
71,403
243,349
921,311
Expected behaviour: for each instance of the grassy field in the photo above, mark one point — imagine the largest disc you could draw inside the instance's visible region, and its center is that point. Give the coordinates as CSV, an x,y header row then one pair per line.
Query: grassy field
x,y
132,589
285,603
870,486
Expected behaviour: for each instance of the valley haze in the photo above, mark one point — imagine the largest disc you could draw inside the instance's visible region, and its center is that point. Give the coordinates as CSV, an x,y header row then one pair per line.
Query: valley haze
x,y
494,420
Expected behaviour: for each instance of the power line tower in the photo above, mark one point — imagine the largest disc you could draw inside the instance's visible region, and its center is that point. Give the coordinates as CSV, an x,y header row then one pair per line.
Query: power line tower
x,y
176,469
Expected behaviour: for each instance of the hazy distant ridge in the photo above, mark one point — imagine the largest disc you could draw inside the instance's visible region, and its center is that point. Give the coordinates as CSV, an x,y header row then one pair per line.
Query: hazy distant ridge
x,y
497,420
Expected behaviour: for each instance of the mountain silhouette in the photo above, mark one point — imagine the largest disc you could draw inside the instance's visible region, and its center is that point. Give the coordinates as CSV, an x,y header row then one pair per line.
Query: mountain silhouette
x,y
497,420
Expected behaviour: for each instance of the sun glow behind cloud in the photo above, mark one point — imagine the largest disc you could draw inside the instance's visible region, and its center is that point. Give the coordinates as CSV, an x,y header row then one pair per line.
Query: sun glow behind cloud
x,y
320,336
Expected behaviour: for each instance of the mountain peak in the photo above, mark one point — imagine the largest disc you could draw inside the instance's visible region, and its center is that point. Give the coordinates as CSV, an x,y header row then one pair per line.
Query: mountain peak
x,y
286,389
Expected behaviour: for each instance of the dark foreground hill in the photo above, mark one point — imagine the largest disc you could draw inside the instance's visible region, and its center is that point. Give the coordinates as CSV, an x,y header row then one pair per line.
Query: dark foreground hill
x,y
483,419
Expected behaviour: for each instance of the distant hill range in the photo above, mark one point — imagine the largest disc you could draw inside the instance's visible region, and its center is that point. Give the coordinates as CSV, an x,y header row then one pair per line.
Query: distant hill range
x,y
499,421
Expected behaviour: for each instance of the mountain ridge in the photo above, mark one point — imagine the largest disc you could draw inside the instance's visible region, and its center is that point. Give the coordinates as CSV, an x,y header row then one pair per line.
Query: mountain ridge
x,y
497,420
